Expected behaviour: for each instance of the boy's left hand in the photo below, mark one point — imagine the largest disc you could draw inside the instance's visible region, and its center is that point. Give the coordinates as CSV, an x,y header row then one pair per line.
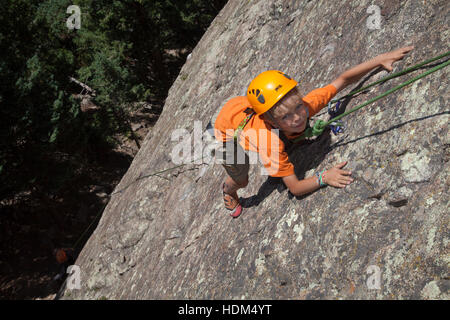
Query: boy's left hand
x,y
337,177
388,58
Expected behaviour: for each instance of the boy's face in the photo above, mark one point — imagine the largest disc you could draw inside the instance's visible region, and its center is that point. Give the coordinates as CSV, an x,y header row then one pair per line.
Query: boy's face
x,y
290,113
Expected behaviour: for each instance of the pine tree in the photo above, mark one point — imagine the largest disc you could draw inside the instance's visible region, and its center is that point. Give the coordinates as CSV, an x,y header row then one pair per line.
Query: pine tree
x,y
121,54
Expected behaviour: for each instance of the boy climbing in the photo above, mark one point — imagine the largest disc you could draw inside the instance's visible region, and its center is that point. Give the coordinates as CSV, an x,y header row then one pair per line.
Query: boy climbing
x,y
273,101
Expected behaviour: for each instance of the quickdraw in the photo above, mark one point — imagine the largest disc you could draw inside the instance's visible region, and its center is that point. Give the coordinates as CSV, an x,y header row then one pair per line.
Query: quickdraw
x,y
336,126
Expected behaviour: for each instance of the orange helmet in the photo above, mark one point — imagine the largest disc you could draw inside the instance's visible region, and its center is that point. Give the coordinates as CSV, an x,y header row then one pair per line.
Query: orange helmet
x,y
267,89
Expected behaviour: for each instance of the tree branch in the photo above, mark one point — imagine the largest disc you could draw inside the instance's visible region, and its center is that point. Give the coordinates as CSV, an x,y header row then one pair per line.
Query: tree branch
x,y
92,91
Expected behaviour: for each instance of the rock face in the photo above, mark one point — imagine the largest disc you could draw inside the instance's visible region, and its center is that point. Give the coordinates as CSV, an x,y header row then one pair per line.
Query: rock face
x,y
385,236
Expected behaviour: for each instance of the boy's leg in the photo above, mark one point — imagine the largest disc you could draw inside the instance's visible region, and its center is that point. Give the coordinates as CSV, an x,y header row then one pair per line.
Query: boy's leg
x,y
230,197
237,178
231,186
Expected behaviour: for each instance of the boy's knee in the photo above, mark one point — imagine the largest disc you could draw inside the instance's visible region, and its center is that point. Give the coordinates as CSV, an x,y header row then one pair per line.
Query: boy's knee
x,y
243,183
238,183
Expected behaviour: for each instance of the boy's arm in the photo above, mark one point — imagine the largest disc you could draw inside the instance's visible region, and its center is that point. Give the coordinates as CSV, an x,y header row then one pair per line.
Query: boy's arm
x,y
384,60
336,177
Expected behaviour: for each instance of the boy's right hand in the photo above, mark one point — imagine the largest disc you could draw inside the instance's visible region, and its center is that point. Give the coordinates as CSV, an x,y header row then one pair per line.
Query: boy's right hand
x,y
337,177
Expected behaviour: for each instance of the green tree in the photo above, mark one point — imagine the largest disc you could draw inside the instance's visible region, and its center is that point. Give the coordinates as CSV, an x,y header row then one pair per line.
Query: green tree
x,y
123,51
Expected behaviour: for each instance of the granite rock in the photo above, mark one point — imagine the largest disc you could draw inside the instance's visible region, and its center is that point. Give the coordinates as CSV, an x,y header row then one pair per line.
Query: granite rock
x,y
168,236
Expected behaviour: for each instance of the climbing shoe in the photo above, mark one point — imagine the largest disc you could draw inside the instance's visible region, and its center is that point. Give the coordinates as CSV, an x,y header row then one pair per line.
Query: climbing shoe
x,y
232,203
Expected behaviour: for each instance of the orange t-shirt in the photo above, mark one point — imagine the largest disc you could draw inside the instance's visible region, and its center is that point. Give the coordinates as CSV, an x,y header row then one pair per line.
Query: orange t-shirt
x,y
258,136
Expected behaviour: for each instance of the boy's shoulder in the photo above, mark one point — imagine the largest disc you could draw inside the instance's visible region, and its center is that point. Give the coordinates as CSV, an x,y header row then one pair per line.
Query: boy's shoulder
x,y
235,105
238,100
318,98
327,91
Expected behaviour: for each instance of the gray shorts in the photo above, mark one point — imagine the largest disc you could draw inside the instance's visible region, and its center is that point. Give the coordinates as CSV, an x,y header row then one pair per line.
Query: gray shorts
x,y
236,162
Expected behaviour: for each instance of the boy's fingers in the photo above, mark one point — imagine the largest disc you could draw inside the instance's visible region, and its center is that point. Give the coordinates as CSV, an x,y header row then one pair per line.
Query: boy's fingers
x,y
406,49
340,165
346,181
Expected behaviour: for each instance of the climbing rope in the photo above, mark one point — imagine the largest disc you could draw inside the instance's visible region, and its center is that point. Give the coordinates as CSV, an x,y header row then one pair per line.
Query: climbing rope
x,y
320,125
394,75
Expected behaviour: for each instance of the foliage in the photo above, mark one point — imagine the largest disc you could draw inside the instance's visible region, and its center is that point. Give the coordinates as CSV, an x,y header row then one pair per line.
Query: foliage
x,y
122,51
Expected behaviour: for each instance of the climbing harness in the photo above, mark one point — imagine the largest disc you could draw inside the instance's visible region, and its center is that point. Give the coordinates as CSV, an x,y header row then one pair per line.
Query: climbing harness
x,y
320,125
241,126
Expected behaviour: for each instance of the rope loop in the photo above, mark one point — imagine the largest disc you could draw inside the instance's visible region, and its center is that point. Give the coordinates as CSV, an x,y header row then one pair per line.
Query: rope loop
x,y
318,127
